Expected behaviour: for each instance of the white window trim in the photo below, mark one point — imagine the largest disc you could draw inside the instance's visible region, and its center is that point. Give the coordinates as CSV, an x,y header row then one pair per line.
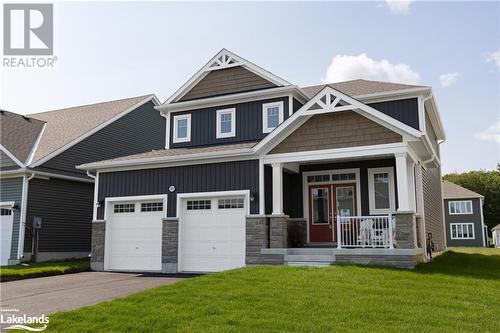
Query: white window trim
x,y
231,134
371,191
462,224
265,106
188,137
459,201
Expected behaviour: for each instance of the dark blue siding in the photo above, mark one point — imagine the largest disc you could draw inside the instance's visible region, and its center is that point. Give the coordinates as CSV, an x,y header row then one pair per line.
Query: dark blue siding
x,y
404,110
475,218
248,123
227,176
140,131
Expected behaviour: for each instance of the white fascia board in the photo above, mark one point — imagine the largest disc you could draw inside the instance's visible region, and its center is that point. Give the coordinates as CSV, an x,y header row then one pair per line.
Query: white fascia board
x,y
40,174
35,146
166,159
392,95
202,72
435,117
96,129
233,99
338,153
11,156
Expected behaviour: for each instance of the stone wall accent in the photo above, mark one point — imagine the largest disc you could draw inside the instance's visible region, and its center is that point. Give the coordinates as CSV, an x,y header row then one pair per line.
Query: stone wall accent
x,y
169,244
406,261
297,232
278,231
97,245
257,238
406,231
336,130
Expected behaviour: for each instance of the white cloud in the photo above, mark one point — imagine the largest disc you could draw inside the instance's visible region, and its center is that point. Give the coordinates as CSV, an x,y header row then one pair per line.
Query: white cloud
x,y
399,6
493,57
448,79
347,67
492,133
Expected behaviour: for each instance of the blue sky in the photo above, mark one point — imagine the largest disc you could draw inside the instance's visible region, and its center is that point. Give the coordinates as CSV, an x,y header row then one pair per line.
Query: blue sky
x,y
113,50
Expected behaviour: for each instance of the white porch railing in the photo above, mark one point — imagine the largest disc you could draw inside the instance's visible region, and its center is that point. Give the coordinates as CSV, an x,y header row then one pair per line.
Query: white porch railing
x,y
365,231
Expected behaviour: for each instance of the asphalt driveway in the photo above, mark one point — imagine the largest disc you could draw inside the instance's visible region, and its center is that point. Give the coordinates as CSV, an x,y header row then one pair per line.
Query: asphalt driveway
x,y
65,292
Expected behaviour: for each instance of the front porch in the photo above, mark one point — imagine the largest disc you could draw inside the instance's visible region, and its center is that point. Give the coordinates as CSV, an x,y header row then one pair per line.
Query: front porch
x,y
324,209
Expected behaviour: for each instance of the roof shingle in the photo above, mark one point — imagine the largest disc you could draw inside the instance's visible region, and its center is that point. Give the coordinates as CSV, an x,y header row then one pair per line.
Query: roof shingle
x,y
454,191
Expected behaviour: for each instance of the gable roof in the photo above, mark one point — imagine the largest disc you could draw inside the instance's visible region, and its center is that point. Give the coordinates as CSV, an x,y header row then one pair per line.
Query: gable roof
x,y
222,60
497,227
19,134
360,87
66,127
454,191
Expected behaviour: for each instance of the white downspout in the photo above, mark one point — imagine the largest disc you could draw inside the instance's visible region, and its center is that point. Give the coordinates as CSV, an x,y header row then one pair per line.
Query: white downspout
x,y
96,188
22,218
166,115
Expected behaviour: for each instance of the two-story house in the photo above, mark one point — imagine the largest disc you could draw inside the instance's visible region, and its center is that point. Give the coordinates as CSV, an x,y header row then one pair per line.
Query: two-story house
x,y
256,170
39,181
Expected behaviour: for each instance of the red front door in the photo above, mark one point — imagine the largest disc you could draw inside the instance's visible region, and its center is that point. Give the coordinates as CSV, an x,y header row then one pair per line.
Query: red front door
x,y
325,203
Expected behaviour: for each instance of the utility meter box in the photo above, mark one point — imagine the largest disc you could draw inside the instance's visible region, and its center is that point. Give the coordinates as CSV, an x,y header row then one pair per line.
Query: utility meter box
x,y
37,222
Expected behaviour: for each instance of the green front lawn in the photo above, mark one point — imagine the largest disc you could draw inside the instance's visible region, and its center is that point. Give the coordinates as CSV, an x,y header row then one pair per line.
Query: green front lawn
x,y
17,272
458,292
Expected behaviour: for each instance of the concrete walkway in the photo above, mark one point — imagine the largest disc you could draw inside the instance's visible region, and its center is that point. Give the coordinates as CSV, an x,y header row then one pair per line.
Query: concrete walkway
x,y
65,292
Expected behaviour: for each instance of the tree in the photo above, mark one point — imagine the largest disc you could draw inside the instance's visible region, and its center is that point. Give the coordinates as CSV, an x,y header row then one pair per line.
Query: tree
x,y
486,183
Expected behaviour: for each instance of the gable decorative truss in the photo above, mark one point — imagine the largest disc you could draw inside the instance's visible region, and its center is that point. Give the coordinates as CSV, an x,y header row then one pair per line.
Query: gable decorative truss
x,y
222,60
331,100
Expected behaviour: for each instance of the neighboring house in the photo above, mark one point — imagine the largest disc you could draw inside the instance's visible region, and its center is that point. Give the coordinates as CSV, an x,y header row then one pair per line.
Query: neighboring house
x,y
257,170
38,177
463,216
496,235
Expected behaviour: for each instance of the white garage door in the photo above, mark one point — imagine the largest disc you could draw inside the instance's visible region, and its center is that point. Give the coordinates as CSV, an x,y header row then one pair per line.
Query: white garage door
x,y
133,235
212,234
6,218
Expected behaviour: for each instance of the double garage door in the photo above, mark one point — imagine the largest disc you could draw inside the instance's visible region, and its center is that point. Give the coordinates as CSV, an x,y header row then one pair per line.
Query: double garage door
x,y
211,234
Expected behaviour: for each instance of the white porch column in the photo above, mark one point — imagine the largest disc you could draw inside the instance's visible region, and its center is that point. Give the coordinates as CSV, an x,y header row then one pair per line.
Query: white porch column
x,y
405,182
262,196
277,188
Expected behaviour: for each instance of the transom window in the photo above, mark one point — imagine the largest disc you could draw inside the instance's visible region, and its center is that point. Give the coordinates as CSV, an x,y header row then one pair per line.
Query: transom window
x,y
124,208
335,177
226,123
381,190
460,207
231,203
272,116
198,204
462,230
318,178
152,206
182,128
4,212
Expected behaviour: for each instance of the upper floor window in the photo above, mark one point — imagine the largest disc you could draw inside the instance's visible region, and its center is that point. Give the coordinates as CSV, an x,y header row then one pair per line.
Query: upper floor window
x,y
272,116
226,123
182,128
460,207
381,190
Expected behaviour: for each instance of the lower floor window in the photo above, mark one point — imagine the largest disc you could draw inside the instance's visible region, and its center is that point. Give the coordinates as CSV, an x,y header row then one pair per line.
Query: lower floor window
x,y
198,204
462,230
124,208
230,203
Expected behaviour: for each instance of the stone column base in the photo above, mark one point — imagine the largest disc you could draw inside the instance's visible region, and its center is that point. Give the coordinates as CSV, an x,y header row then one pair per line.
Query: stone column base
x,y
97,245
406,230
278,231
169,245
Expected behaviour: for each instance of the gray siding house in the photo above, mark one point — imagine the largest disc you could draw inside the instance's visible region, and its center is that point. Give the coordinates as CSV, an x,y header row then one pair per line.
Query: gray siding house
x,y
463,216
257,170
38,177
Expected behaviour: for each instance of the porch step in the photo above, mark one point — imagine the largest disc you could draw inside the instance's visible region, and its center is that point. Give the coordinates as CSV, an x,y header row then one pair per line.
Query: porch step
x,y
329,251
309,263
310,258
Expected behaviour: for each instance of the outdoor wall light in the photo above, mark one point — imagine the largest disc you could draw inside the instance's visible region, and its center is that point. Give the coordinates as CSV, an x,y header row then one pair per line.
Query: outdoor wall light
x,y
253,196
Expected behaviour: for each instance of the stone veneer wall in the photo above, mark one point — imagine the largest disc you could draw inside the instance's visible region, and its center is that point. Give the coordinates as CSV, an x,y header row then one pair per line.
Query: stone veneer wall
x,y
406,230
169,245
97,245
257,238
278,231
